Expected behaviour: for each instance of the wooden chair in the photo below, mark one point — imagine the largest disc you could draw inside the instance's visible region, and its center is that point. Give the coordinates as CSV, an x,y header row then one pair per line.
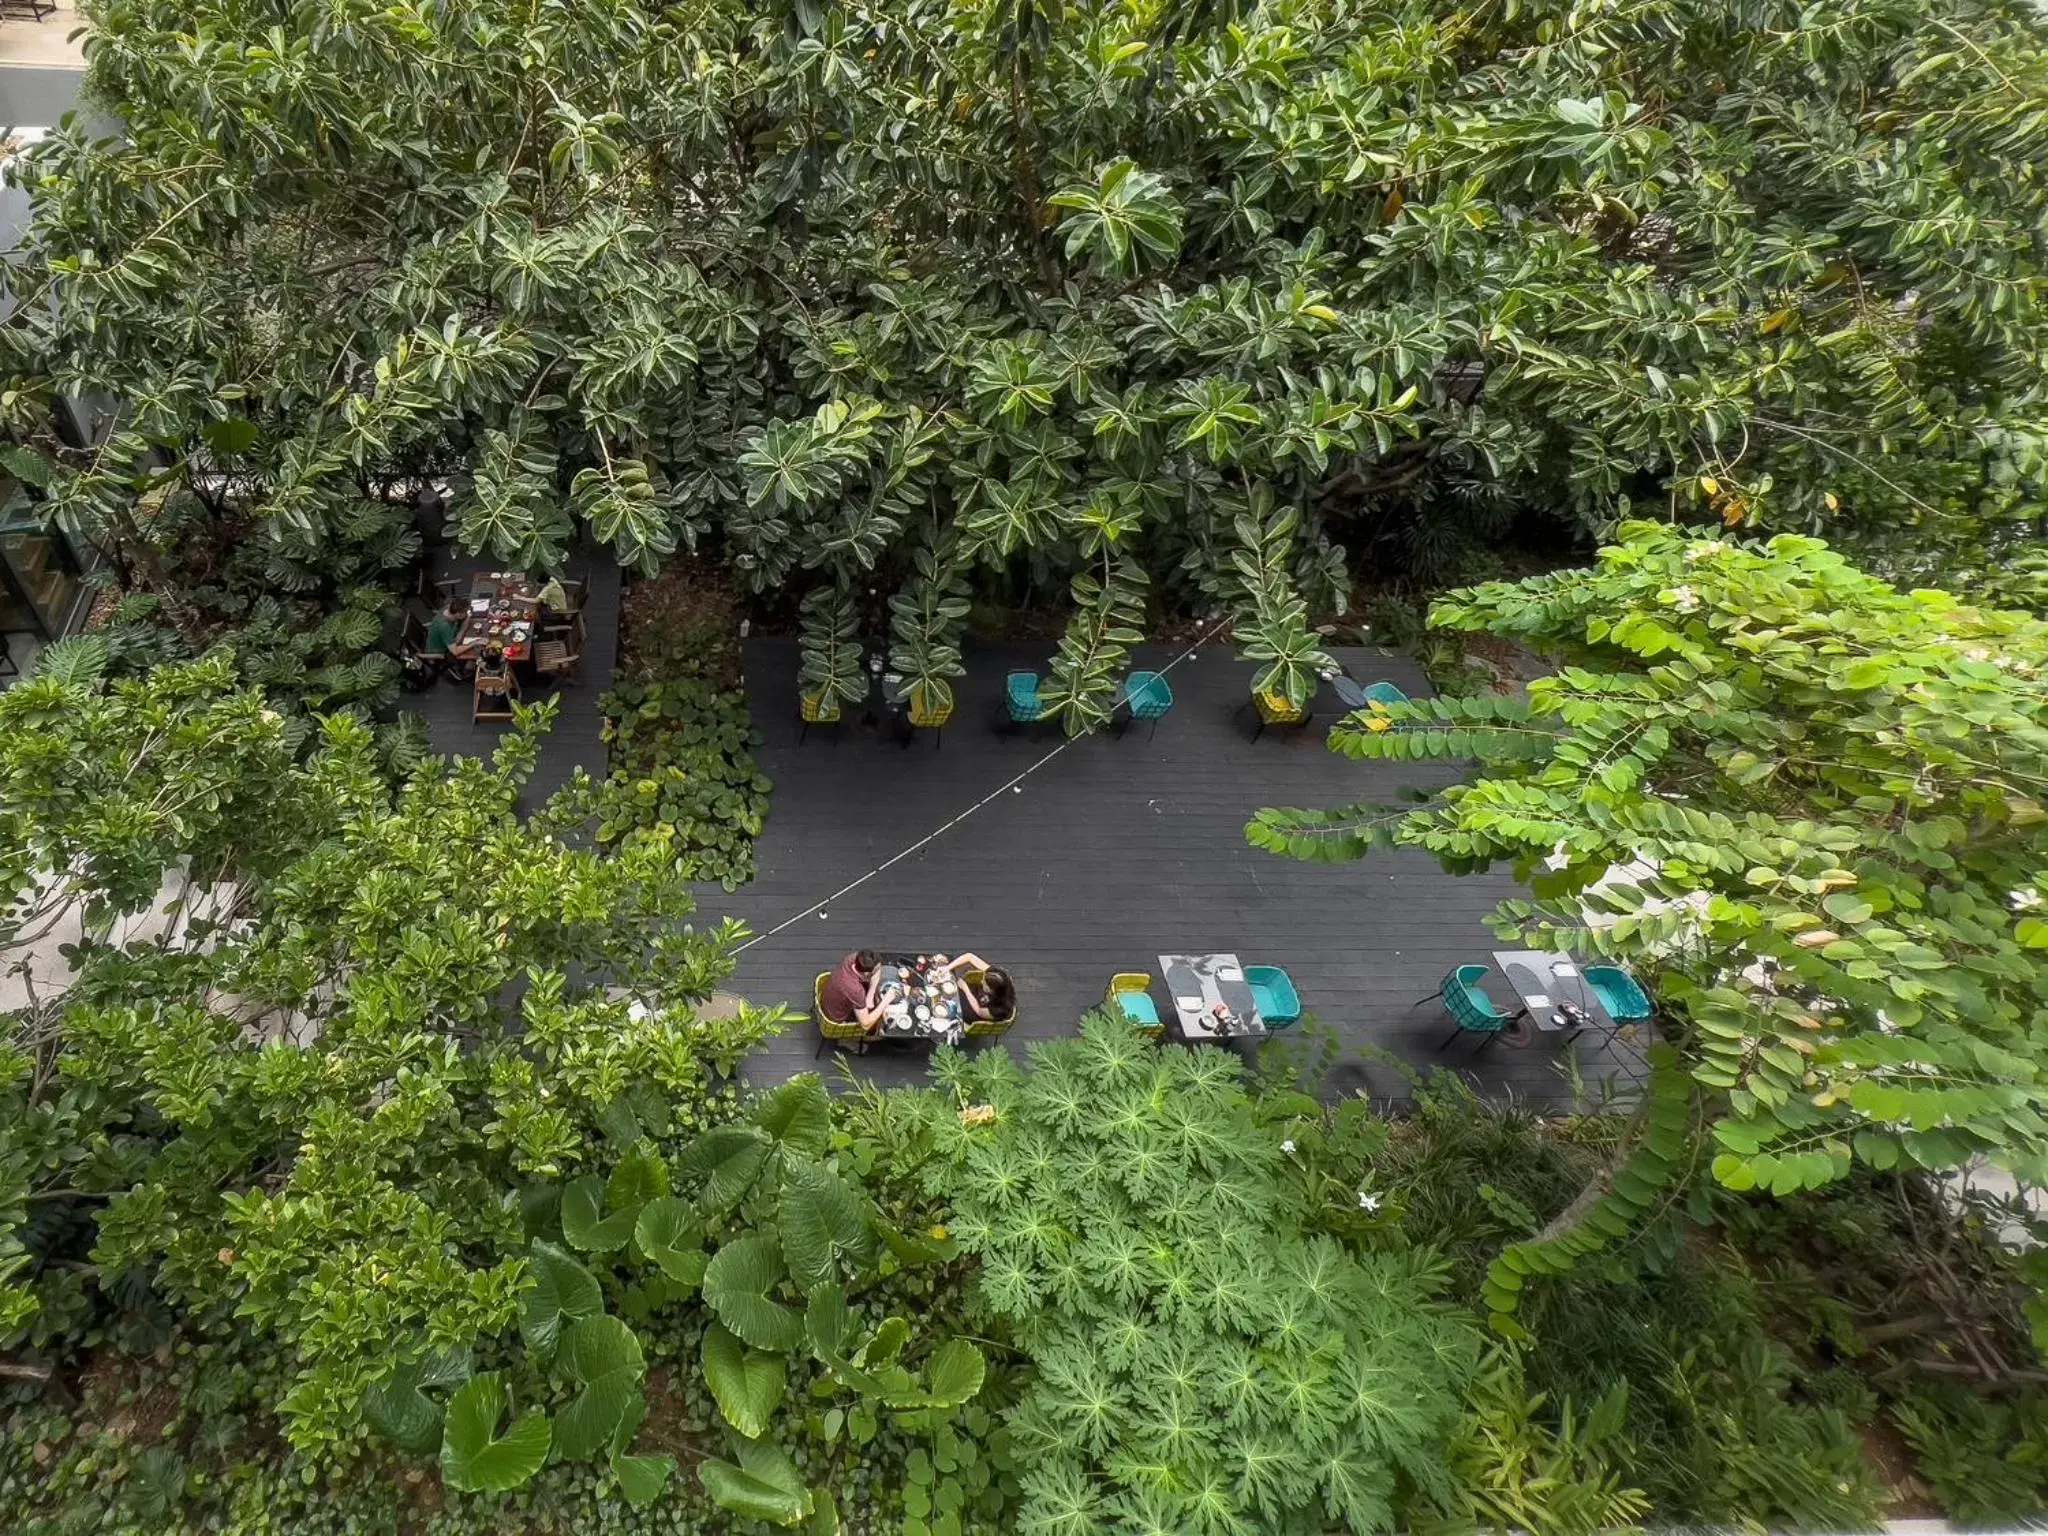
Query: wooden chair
x,y
502,686
557,655
830,1030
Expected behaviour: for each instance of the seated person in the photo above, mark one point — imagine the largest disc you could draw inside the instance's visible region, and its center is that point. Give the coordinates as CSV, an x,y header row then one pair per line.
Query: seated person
x,y
554,601
445,630
850,991
992,997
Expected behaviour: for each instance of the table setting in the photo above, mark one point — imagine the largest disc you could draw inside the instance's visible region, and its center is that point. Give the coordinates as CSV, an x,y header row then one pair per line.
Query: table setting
x,y
503,608
920,1000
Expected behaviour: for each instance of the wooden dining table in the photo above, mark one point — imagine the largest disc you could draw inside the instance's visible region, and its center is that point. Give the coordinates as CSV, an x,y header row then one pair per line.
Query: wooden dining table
x,y
504,606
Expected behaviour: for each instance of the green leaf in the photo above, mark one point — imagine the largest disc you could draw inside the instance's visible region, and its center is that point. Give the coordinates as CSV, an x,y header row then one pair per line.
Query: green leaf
x,y
398,1409
669,1233
765,1487
798,1114
729,1160
477,1460
736,1286
642,1478
562,1291
603,1356
582,1224
954,1375
747,1384
820,1218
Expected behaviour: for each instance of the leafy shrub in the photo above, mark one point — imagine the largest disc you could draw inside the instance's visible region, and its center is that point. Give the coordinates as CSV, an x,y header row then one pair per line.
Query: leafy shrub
x,y
681,738
1985,1460
1203,1361
683,760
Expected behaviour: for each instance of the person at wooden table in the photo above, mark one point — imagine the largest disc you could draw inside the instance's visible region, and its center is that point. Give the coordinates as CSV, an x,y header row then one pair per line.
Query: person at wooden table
x,y
444,632
994,996
851,991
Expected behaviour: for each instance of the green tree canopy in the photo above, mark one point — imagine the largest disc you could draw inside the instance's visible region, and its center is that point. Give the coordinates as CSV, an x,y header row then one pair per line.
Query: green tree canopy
x,y
1811,808
305,1094
917,290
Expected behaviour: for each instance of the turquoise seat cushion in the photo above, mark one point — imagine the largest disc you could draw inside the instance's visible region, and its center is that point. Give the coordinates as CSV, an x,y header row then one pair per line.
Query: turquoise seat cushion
x,y
1138,1007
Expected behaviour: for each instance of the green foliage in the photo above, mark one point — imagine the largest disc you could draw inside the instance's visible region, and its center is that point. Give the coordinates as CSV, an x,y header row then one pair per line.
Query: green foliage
x,y
1987,1461
1203,1361
801,283
306,1101
1808,808
475,1457
831,669
682,755
1272,624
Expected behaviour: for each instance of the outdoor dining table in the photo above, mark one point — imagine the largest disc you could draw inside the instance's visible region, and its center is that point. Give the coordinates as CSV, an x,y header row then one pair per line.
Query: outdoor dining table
x,y
1198,985
505,607
921,989
1546,980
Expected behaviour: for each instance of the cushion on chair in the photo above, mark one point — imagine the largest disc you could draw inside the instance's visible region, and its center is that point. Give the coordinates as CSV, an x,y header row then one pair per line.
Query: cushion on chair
x,y
1138,1007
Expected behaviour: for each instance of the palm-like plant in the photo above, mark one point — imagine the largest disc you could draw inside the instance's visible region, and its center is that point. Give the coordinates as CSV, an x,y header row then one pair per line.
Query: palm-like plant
x,y
925,620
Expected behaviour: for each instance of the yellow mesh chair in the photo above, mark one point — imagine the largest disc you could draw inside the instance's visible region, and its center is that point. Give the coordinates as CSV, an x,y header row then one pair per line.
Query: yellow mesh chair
x,y
1277,709
930,709
986,1029
1130,998
830,1030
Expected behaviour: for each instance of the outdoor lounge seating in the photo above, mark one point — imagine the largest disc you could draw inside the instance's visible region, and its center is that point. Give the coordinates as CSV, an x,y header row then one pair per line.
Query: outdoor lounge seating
x,y
1021,703
831,1031
1619,993
1273,994
1130,998
1468,1004
1144,696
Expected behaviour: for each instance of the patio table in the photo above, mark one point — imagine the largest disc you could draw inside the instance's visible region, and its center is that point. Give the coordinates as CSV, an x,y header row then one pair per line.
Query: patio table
x,y
1197,984
947,1014
1545,980
505,607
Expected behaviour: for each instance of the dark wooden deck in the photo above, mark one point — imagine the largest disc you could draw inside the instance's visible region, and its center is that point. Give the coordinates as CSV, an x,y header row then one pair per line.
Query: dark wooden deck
x,y
577,740
1113,852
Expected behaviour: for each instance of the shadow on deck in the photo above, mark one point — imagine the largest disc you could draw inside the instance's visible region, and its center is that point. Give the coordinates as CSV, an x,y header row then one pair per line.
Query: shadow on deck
x,y
1111,853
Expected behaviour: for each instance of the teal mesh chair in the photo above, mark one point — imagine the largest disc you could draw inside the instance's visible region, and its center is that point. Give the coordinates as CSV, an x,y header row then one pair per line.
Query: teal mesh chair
x,y
1021,702
1619,993
1468,1004
1144,696
1273,995
1383,693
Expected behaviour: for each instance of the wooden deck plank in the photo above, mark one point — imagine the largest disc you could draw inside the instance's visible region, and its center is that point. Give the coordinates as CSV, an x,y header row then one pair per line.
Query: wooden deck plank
x,y
1106,854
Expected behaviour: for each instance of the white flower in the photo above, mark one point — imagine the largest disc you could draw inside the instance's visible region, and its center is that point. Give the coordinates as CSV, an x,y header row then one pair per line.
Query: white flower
x,y
1684,599
1286,1146
1699,552
1368,1202
2025,899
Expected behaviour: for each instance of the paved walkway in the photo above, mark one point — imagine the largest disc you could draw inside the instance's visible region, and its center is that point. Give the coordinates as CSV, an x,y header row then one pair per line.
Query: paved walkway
x,y
1113,852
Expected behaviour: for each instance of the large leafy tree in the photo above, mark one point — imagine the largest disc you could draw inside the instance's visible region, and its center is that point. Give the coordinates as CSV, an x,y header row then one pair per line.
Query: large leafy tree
x,y
1810,808
312,1034
891,287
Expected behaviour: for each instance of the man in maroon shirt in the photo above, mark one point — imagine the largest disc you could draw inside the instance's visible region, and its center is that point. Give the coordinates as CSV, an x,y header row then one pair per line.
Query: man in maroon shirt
x,y
850,991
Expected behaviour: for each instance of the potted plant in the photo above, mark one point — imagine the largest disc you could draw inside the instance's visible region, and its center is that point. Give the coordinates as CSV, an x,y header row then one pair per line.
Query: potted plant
x,y
829,675
1272,623
925,620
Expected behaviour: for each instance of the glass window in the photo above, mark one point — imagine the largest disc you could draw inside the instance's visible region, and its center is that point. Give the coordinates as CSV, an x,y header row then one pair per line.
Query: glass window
x,y
41,570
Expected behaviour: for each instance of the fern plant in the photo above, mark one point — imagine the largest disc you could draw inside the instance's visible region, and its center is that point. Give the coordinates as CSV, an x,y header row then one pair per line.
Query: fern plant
x,y
1204,1362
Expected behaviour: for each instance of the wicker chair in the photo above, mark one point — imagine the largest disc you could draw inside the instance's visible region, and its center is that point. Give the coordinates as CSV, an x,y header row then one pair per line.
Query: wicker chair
x,y
1130,998
1469,1006
986,1029
830,1030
